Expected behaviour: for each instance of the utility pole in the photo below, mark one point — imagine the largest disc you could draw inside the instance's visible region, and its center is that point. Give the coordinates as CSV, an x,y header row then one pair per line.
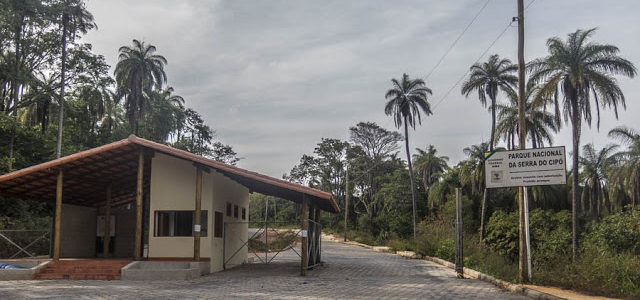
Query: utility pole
x,y
346,203
522,134
459,263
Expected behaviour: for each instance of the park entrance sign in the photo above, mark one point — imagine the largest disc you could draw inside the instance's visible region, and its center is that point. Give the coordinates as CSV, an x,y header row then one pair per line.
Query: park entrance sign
x,y
529,167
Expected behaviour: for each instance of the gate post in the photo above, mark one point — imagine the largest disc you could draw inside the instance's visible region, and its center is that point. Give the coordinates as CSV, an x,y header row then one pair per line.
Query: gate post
x,y
304,238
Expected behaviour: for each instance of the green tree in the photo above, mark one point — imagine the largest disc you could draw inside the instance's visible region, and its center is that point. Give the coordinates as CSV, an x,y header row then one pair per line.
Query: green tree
x,y
74,18
583,72
595,166
430,166
139,71
540,124
628,174
487,79
406,100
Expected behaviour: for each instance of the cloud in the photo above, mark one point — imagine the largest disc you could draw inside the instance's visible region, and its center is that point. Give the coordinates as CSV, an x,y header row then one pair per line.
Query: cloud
x,y
274,77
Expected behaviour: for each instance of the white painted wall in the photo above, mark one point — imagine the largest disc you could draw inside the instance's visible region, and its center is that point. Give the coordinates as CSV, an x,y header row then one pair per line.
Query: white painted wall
x,y
173,185
226,190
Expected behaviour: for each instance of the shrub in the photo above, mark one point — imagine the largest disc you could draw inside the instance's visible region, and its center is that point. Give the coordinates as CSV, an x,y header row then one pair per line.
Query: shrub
x,y
447,250
502,234
615,234
400,245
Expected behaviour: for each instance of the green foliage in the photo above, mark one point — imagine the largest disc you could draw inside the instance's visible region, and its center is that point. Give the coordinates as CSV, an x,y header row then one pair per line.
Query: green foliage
x,y
615,234
595,272
502,234
447,250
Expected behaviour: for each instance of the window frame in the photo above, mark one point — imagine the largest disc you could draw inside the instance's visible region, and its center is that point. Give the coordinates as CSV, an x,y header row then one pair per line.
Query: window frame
x,y
204,223
218,226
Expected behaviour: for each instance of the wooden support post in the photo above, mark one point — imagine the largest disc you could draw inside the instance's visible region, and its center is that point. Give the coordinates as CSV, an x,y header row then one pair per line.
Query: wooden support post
x,y
107,223
318,235
346,204
137,249
305,234
56,228
459,266
197,214
311,235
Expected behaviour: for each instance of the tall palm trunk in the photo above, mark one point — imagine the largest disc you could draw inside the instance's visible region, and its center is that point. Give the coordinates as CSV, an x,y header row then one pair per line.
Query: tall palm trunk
x,y
575,123
413,189
65,19
485,195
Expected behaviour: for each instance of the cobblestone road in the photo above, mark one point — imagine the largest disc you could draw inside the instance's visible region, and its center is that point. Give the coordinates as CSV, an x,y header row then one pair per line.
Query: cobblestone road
x,y
350,272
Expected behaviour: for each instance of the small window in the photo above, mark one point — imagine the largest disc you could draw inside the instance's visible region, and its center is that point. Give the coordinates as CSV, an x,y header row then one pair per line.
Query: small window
x,y
235,211
244,213
218,226
228,209
179,223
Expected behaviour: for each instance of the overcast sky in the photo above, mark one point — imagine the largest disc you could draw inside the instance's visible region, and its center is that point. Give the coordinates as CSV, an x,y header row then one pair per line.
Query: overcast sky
x,y
274,77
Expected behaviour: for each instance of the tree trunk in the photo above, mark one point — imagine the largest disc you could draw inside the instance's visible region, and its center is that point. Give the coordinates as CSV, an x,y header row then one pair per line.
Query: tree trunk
x,y
493,122
575,123
413,189
11,146
16,69
485,196
62,83
426,191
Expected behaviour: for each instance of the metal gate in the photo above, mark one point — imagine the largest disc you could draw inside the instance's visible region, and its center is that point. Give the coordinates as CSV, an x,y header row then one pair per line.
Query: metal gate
x,y
264,243
270,242
314,244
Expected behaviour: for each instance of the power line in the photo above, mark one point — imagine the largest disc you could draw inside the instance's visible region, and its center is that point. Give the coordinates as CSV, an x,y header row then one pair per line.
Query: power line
x,y
478,60
457,39
468,70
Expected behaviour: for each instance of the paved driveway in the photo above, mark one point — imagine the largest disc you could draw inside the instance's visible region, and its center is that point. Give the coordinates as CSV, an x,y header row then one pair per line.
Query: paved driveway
x,y
350,272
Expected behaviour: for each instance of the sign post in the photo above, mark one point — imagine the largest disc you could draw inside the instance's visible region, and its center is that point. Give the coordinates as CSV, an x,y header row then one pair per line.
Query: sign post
x,y
524,168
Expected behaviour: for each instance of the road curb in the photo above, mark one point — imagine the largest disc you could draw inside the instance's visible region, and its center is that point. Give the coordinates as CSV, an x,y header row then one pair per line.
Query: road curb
x,y
515,288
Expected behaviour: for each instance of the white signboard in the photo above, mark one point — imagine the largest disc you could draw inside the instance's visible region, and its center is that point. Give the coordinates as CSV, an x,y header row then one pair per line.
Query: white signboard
x,y
529,167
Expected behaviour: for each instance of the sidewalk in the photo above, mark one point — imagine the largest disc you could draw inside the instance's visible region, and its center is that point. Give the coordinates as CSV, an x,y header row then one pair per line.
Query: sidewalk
x,y
545,291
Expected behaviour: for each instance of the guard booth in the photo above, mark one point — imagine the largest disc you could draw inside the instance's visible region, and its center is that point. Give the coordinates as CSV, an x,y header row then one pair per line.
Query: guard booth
x,y
167,204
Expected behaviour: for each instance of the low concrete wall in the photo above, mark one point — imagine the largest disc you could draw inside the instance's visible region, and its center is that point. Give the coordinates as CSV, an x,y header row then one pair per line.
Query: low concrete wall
x,y
164,270
32,267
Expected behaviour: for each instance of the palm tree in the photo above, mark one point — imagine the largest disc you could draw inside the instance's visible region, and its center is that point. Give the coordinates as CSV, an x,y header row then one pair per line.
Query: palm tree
x,y
473,172
629,172
167,111
595,165
406,99
583,72
74,18
540,124
430,166
488,79
138,72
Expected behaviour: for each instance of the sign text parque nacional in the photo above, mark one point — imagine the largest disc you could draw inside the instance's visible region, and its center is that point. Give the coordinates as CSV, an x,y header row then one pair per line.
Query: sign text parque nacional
x,y
529,167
